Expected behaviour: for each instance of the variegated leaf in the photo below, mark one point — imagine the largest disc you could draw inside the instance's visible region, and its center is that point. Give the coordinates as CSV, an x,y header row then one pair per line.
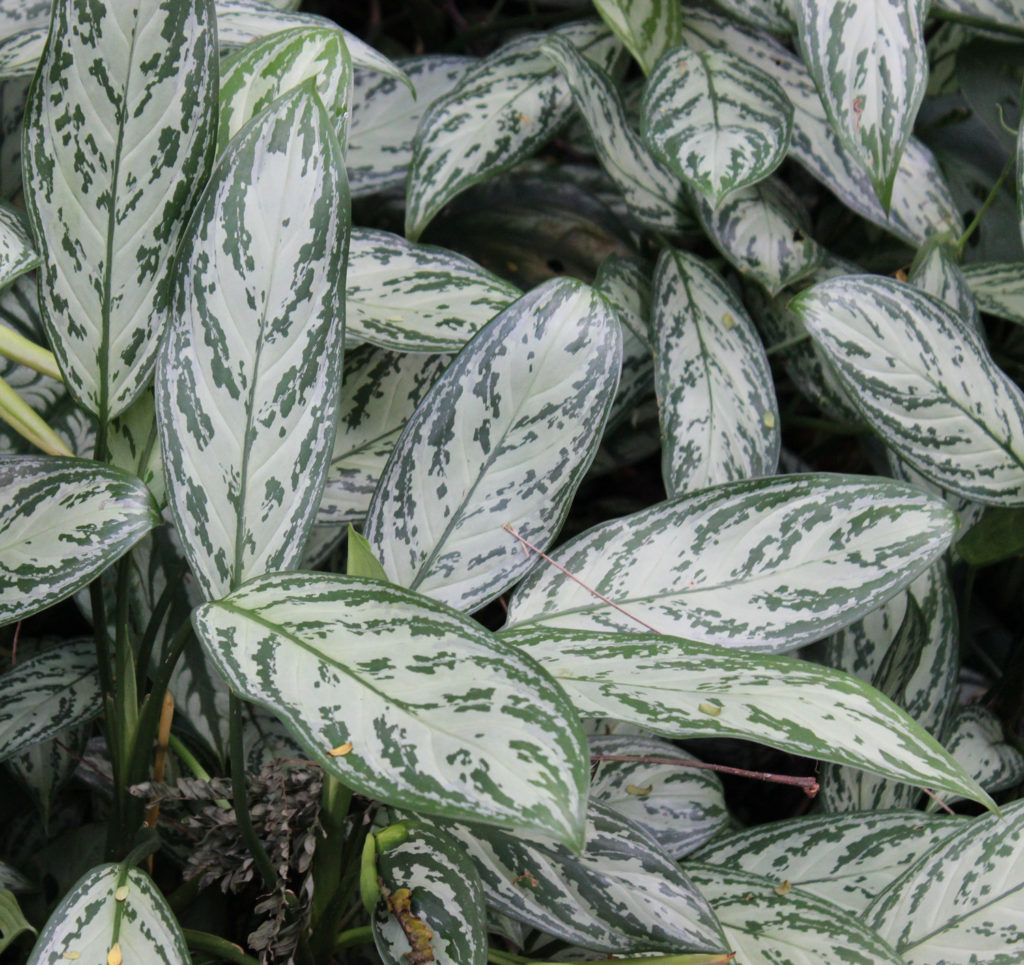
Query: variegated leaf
x,y
647,28
16,15
654,196
936,272
870,66
13,880
963,901
766,564
263,71
385,115
967,511
13,94
680,807
43,769
248,380
626,283
417,298
21,51
924,380
765,922
47,693
921,202
762,231
998,288
503,438
716,120
13,922
983,13
719,416
119,132
846,859
977,741
446,895
504,108
395,694
114,913
622,893
17,253
134,446
775,16
63,522
681,689
380,390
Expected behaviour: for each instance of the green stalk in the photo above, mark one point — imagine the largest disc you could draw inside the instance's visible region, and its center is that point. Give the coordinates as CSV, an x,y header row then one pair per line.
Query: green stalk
x,y
24,420
200,941
163,604
126,711
19,349
988,202
327,909
363,935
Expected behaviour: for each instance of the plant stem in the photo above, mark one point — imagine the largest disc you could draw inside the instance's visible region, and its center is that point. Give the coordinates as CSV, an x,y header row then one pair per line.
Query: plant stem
x,y
986,204
188,758
787,343
363,935
326,911
200,941
241,801
156,619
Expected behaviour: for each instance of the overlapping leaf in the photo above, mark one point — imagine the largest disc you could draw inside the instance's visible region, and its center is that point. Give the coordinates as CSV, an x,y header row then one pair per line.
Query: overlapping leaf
x,y
936,272
22,14
446,896
717,121
114,913
767,564
997,13
681,689
626,284
977,741
998,288
63,522
621,894
504,108
775,16
719,417
118,142
846,859
764,922
925,381
869,63
417,298
47,693
263,71
652,193
979,907
17,253
249,378
43,769
502,438
647,27
406,693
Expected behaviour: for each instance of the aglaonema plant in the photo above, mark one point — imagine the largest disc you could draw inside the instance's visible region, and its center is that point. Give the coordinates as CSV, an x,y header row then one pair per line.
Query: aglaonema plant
x,y
347,648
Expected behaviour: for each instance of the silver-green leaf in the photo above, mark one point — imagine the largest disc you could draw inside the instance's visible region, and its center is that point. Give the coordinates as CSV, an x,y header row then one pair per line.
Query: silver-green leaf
x,y
248,380
503,438
647,27
998,288
976,739
397,697
17,250
119,131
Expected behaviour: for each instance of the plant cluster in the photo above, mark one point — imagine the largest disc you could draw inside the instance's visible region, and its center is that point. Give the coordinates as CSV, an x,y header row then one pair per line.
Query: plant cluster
x,y
424,477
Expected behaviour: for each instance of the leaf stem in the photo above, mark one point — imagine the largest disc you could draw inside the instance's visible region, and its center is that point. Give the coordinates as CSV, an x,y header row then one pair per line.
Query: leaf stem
x,y
986,204
787,343
362,935
200,941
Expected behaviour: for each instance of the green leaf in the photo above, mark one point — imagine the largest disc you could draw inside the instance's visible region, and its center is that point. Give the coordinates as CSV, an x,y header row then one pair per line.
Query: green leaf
x,y
964,900
47,693
762,231
654,196
924,380
998,288
262,71
101,513
977,741
767,564
112,905
417,298
719,417
248,380
380,390
13,922
921,202
717,121
936,272
869,63
681,689
446,896
385,115
361,561
680,807
43,769
989,74
119,130
622,894
134,447
846,859
764,922
646,27
503,437
998,536
415,688
17,253
504,108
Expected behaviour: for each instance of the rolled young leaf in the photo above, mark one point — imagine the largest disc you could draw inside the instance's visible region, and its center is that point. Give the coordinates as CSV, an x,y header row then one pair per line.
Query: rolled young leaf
x,y
119,134
396,696
63,522
248,381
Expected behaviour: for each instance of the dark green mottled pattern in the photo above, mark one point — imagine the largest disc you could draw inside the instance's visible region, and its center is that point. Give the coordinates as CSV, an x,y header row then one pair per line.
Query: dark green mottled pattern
x,y
17,254
998,288
935,270
248,382
118,144
975,738
442,717
101,513
647,27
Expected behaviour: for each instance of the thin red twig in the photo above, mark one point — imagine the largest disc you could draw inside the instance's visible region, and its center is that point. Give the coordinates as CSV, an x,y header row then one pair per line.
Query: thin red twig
x,y
942,804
